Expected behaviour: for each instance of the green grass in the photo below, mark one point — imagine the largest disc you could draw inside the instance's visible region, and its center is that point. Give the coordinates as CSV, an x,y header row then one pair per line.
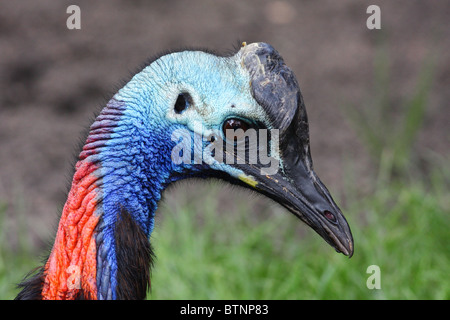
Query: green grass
x,y
15,260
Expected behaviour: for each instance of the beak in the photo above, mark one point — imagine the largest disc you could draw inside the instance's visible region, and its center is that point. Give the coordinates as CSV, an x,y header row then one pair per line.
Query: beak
x,y
295,185
304,195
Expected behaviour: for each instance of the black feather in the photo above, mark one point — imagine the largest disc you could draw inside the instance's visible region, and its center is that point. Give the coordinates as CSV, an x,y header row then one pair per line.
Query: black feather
x,y
134,259
31,285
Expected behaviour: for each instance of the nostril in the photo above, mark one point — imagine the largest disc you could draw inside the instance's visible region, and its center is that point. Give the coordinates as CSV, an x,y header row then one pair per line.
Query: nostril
x,y
327,214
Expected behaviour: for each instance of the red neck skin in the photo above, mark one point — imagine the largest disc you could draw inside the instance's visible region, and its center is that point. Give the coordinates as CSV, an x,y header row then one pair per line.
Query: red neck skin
x,y
71,268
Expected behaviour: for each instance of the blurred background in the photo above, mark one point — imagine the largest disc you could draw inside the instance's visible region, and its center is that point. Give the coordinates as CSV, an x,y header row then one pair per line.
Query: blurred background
x,y
378,106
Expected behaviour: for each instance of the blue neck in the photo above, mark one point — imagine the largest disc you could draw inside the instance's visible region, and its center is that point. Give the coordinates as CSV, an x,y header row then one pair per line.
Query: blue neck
x,y
136,167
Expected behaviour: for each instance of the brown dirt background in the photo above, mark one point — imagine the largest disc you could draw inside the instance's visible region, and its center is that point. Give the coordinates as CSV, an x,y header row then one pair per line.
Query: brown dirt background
x,y
52,78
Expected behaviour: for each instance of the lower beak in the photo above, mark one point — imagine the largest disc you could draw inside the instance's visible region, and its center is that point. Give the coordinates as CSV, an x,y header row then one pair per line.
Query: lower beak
x,y
303,194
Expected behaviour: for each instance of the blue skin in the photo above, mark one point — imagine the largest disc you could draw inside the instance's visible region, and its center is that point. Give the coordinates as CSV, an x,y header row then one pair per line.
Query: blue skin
x,y
136,164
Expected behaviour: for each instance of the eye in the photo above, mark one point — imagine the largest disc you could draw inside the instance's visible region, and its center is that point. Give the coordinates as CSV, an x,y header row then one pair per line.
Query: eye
x,y
235,124
184,100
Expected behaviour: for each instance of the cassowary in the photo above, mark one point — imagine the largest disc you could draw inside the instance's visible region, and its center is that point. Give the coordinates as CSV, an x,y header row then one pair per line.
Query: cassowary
x,y
158,129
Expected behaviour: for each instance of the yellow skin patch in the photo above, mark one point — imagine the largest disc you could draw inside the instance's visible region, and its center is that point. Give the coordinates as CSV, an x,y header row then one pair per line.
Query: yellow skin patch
x,y
248,180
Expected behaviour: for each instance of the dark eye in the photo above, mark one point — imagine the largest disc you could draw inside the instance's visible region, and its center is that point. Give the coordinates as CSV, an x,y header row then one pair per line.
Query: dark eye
x,y
234,124
184,100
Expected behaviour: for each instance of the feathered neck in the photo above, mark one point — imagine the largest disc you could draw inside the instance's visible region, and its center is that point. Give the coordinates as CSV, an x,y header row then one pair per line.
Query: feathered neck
x,y
102,248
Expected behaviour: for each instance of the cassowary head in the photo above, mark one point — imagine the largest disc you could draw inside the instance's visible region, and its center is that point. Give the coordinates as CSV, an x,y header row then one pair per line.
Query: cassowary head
x,y
240,118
